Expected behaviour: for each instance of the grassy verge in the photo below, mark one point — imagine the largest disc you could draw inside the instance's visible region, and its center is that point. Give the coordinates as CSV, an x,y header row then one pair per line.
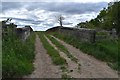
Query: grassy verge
x,y
106,50
57,60
17,56
62,48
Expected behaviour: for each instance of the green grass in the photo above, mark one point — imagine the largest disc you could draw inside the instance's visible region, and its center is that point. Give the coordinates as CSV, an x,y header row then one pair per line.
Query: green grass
x,y
57,60
105,50
62,48
17,56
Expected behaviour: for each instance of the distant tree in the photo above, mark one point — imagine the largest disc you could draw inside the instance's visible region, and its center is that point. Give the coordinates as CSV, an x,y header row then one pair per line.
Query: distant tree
x,y
9,19
107,19
76,26
8,27
82,25
115,14
60,19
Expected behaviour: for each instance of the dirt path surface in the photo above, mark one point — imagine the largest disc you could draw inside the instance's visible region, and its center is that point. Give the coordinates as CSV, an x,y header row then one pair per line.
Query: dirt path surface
x,y
43,64
90,67
72,66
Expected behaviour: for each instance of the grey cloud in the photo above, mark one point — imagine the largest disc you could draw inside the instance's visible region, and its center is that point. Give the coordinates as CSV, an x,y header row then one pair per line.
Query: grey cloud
x,y
26,20
67,23
19,19
71,8
10,5
37,22
48,24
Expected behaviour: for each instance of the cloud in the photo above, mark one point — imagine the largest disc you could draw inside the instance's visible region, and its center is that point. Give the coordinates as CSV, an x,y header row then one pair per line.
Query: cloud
x,y
79,1
42,15
10,5
69,8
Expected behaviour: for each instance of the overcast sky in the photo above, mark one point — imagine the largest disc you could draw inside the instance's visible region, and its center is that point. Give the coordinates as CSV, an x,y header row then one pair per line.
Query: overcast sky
x,y
83,1
42,15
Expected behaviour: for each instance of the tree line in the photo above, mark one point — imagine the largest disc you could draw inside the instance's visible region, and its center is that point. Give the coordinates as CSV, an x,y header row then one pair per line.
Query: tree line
x,y
107,19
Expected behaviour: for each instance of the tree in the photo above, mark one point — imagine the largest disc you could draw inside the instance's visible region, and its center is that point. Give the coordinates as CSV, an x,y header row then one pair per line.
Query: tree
x,y
82,25
9,19
115,13
60,20
107,19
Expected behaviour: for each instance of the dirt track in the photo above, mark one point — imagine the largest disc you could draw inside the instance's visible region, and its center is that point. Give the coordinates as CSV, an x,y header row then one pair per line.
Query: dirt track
x,y
90,67
71,64
44,67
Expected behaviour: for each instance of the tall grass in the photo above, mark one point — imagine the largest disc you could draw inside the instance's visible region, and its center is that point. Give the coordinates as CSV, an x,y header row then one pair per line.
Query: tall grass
x,y
17,56
105,50
57,60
